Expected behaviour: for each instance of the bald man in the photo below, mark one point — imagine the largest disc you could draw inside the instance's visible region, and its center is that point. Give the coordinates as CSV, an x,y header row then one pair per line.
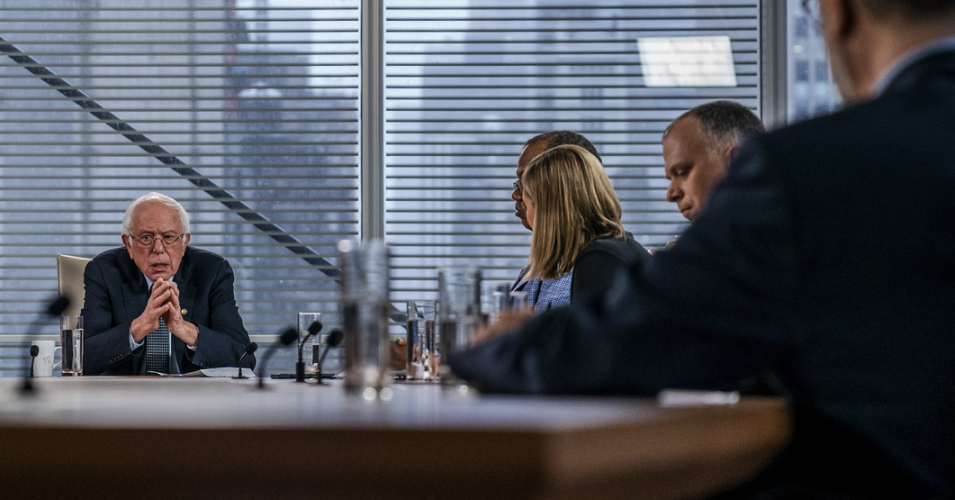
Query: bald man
x,y
697,150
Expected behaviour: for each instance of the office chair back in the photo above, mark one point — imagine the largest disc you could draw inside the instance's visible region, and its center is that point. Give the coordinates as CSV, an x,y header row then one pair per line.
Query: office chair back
x,y
69,281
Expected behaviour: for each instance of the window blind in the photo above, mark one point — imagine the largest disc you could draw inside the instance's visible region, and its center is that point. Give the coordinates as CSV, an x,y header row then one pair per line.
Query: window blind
x,y
258,98
468,82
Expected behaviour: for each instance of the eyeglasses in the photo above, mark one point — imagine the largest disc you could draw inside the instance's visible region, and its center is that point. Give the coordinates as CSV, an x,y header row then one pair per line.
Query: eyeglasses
x,y
148,240
517,185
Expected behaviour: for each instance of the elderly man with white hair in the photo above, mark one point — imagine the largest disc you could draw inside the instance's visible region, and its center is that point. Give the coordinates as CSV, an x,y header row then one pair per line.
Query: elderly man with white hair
x,y
156,305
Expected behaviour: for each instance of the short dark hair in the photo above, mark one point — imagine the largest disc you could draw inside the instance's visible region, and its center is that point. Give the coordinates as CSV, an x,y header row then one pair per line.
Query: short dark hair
x,y
909,10
563,138
724,123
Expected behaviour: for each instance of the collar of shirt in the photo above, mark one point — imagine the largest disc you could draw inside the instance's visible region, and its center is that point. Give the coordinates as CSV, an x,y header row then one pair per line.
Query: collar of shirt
x,y
909,58
522,280
149,282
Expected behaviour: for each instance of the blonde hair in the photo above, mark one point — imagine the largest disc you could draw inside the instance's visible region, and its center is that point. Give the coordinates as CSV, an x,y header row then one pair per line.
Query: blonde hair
x,y
574,205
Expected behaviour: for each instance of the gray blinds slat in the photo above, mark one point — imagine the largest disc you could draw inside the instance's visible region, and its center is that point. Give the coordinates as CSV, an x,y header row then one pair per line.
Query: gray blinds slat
x,y
260,97
467,83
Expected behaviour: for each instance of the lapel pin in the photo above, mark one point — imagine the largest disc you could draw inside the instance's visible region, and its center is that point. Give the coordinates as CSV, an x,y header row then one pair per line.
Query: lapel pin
x,y
184,312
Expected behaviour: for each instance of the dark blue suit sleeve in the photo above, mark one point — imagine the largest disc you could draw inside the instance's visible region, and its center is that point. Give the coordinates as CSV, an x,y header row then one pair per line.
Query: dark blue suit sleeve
x,y
104,345
704,315
222,341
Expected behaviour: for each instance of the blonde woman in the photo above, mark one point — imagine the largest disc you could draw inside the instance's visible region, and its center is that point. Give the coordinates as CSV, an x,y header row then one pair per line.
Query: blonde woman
x,y
575,216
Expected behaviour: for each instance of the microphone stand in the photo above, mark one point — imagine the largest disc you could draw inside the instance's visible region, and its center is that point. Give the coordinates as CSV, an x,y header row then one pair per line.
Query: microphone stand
x,y
34,352
333,340
286,338
249,349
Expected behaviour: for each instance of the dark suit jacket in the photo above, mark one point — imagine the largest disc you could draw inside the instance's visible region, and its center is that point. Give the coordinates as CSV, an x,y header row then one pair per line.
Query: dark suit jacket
x,y
601,262
826,256
116,294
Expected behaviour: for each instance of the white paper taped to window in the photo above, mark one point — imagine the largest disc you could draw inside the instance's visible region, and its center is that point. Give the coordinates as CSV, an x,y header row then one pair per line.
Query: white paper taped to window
x,y
702,61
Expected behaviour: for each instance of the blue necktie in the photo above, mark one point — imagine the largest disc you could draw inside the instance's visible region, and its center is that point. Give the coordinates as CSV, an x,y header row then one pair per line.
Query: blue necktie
x,y
157,349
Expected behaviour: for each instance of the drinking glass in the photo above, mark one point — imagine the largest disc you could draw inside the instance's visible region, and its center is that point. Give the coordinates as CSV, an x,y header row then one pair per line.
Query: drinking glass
x,y
498,301
71,341
422,353
518,300
311,350
459,314
365,316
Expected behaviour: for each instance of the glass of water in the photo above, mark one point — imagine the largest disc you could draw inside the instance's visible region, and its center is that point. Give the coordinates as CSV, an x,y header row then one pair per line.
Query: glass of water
x,y
422,358
365,313
497,300
71,340
459,314
311,349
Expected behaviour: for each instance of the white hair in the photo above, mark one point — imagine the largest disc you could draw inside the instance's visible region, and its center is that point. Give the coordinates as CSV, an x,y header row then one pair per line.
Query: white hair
x,y
161,198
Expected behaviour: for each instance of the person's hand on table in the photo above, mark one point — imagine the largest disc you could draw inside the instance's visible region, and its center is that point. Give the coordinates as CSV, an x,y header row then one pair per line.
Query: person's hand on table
x,y
507,322
399,354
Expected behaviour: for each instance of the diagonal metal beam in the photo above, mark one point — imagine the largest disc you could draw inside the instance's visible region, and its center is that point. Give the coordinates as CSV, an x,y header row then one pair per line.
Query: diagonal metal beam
x,y
219,194
146,144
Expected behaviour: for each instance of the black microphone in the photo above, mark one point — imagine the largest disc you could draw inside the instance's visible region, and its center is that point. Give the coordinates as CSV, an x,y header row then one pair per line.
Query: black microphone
x,y
249,349
313,329
286,338
54,308
34,352
333,340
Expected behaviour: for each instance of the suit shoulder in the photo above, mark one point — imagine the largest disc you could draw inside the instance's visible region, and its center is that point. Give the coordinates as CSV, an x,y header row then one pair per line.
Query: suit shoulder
x,y
850,127
624,249
112,255
866,139
827,146
204,260
114,258
204,255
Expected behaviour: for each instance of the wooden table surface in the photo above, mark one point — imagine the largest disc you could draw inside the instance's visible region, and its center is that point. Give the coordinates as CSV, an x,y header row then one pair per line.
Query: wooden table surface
x,y
165,438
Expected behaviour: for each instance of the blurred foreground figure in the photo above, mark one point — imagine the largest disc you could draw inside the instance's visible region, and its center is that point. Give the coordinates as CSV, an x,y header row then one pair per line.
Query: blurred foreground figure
x,y
827,255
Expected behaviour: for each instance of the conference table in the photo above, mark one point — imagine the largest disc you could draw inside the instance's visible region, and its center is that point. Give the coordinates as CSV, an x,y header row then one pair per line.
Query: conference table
x,y
197,438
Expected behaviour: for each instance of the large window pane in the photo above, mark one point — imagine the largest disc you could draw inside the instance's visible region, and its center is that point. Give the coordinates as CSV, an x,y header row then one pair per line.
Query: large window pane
x,y
468,82
260,97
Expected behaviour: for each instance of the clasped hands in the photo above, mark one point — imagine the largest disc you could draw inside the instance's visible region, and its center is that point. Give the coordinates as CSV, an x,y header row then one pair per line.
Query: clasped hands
x,y
164,303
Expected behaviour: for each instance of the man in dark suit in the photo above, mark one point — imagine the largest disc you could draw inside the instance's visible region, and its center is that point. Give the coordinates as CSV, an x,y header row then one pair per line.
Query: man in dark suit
x,y
156,305
827,255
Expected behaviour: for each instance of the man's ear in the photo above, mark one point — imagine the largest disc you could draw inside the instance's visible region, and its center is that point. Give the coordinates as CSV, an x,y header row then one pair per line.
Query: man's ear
x,y
128,243
730,154
839,18
186,241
